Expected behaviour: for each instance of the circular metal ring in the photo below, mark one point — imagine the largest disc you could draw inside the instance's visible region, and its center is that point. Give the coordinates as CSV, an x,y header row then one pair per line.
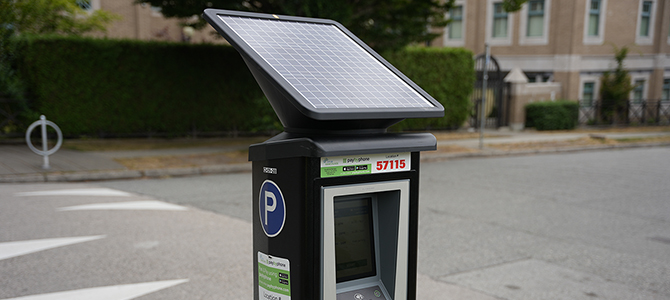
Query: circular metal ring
x,y
47,123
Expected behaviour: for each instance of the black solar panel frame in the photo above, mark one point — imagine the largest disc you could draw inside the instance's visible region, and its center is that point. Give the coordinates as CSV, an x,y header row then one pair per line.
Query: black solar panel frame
x,y
298,100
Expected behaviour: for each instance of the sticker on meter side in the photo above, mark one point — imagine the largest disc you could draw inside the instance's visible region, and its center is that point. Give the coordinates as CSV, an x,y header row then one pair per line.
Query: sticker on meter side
x,y
365,164
272,208
274,277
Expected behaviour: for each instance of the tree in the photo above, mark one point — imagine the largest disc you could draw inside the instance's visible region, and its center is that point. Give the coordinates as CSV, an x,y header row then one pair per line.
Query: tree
x,y
383,24
51,17
513,5
615,89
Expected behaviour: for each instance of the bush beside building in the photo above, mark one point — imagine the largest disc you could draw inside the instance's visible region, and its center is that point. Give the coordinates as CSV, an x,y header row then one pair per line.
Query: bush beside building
x,y
556,115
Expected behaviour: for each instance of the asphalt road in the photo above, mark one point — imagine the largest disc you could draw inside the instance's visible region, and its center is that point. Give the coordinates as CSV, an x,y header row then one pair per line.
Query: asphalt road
x,y
591,225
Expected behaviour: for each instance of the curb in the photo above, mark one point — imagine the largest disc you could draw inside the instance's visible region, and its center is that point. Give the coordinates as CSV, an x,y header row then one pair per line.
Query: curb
x,y
124,174
246,167
500,153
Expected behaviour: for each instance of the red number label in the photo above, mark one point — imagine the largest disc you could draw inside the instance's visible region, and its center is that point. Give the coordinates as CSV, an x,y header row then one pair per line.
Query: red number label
x,y
391,164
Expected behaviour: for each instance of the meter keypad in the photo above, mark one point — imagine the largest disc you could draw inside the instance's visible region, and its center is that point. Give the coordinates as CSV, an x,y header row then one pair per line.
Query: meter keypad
x,y
370,293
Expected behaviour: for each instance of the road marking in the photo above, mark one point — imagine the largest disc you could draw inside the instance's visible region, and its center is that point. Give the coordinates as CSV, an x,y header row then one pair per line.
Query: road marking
x,y
116,292
77,192
134,205
18,248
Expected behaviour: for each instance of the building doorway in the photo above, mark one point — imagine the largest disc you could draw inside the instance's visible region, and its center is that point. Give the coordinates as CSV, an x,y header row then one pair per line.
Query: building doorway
x,y
497,103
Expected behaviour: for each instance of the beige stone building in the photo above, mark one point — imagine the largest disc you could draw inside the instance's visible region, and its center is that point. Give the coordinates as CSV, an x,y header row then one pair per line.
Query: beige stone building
x,y
570,42
144,22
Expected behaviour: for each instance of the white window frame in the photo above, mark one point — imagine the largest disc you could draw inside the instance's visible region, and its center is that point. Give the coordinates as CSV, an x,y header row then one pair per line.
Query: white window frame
x,y
646,40
663,87
524,39
595,78
645,88
599,39
449,42
593,92
95,5
506,41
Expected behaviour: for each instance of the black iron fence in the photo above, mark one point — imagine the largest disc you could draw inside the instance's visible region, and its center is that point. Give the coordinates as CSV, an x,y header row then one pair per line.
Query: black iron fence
x,y
497,109
498,96
633,112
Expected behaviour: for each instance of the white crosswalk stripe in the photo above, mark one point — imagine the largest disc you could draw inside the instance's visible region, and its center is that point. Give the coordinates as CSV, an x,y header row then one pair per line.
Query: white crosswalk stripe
x,y
89,199
18,248
116,292
98,192
133,205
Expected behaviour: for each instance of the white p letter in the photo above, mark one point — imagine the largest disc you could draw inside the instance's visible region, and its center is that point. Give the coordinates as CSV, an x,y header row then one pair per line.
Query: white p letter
x,y
269,208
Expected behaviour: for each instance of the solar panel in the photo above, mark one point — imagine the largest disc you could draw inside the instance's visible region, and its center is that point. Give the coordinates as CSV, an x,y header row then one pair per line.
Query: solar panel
x,y
315,70
324,65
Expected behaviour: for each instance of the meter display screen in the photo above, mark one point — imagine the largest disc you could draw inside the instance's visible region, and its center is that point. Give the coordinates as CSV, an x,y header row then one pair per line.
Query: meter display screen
x,y
354,239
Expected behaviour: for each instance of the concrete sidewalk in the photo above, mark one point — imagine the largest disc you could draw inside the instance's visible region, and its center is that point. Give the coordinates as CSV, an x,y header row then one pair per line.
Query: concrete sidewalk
x,y
19,164
495,141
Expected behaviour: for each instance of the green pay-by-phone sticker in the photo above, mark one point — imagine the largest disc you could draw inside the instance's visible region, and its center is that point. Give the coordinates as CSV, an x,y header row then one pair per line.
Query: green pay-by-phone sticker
x,y
274,277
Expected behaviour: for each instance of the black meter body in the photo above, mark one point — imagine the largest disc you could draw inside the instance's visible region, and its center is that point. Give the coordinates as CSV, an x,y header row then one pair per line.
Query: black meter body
x,y
335,197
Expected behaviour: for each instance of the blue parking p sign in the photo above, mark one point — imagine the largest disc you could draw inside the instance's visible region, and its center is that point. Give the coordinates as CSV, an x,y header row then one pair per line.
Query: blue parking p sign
x,y
272,208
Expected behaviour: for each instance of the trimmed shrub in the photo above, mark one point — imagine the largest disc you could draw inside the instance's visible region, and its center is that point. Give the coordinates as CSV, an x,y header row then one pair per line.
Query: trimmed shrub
x,y
556,115
447,74
111,87
103,87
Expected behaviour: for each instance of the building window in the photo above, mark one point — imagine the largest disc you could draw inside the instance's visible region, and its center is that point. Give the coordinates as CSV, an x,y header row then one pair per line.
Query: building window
x,y
534,22
638,91
665,94
454,33
85,5
456,25
594,18
88,6
645,18
594,22
535,25
499,21
499,24
588,93
645,23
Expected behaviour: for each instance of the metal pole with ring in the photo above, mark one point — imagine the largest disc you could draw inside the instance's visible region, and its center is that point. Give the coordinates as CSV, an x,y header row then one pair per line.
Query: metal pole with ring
x,y
45,152
482,109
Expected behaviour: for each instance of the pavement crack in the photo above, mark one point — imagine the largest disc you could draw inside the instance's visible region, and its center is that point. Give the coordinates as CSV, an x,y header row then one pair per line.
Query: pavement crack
x,y
487,266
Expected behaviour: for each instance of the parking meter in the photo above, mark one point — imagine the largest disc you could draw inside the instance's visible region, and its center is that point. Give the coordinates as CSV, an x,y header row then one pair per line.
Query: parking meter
x,y
335,196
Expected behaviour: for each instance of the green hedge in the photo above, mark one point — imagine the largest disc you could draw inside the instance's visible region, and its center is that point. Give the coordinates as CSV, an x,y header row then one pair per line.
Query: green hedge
x,y
104,87
110,87
552,115
447,74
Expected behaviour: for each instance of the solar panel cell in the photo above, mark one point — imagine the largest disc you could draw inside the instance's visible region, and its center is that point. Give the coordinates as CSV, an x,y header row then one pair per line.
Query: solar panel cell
x,y
324,65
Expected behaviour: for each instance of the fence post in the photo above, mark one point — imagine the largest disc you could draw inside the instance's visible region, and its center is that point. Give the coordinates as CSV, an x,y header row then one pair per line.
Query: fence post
x,y
627,115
